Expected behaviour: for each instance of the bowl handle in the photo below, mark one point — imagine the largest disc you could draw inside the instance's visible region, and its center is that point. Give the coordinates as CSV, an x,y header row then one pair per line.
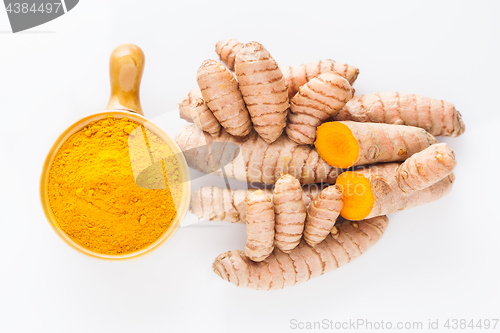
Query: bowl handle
x,y
126,65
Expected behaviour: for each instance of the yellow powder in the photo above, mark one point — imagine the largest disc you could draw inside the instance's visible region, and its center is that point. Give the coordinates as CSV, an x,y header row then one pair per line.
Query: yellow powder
x,y
92,190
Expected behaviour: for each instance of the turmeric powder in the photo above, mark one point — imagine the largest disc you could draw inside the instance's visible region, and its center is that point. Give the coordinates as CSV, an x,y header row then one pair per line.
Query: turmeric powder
x,y
93,194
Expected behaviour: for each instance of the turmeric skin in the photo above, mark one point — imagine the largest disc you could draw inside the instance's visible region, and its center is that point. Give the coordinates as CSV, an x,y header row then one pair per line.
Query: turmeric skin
x,y
436,116
221,204
322,215
290,213
281,270
260,163
295,77
93,194
260,226
317,100
264,90
220,90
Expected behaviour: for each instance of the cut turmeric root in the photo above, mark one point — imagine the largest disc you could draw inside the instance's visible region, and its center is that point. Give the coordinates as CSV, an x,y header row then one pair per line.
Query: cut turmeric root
x,y
367,195
257,160
293,234
386,188
343,144
281,270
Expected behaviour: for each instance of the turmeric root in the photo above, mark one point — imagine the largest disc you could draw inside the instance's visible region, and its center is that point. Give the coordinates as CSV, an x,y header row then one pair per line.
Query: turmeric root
x,y
192,100
426,168
226,50
260,226
322,215
437,117
345,143
256,161
296,77
319,99
281,270
221,94
220,204
264,90
290,212
375,191
205,119
194,109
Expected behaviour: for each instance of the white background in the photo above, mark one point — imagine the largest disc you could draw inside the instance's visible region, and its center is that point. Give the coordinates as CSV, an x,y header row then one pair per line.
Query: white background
x,y
438,261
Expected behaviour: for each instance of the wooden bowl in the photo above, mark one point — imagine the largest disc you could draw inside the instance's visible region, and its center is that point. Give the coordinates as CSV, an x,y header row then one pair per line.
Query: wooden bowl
x,y
126,67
